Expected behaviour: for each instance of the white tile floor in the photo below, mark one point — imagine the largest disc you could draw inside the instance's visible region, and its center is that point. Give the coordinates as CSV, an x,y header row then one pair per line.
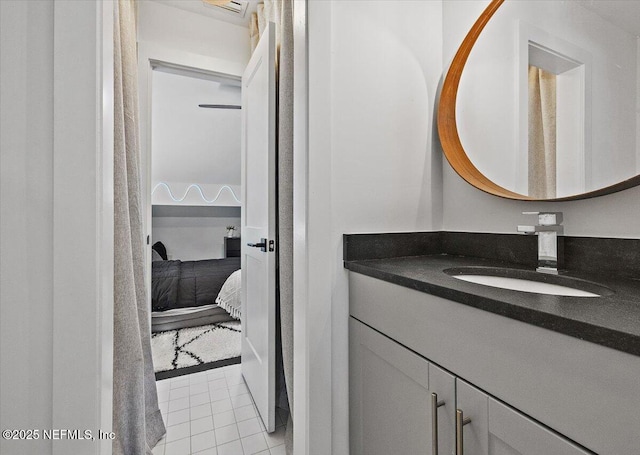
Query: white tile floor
x,y
212,413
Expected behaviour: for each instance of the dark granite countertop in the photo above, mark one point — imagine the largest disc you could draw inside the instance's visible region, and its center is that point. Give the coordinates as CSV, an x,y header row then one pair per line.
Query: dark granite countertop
x,y
611,320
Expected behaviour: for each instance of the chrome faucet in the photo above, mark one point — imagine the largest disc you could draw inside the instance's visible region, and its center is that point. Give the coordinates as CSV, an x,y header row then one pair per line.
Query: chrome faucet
x,y
550,248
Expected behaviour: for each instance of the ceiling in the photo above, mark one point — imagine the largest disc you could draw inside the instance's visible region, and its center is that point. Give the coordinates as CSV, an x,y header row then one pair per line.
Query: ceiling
x,y
622,13
198,7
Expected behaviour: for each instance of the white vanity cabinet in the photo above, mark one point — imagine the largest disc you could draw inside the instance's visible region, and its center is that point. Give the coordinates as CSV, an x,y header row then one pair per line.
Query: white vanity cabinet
x,y
391,393
527,390
401,403
496,429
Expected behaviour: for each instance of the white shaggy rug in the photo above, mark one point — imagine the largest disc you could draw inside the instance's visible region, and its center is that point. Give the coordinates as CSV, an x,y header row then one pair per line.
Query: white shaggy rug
x,y
201,347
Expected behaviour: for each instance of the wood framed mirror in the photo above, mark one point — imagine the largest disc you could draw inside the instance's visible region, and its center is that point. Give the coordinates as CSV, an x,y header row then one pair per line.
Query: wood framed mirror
x,y
494,125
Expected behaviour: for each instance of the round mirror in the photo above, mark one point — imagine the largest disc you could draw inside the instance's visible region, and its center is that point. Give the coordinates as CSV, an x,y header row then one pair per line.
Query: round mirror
x,y
542,100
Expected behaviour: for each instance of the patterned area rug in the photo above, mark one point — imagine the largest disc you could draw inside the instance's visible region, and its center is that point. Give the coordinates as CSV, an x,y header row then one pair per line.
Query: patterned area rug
x,y
193,349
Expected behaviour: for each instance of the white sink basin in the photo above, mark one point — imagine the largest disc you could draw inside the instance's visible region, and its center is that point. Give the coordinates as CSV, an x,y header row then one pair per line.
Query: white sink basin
x,y
524,285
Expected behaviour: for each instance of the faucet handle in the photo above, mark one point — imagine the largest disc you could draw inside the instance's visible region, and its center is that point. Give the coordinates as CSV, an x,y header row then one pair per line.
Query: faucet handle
x,y
547,218
527,229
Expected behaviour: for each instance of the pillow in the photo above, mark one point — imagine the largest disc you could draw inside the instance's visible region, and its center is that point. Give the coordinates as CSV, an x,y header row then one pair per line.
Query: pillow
x,y
155,256
160,248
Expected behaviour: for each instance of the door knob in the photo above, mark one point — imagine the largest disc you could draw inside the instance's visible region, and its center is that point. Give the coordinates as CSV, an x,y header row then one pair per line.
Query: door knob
x,y
262,245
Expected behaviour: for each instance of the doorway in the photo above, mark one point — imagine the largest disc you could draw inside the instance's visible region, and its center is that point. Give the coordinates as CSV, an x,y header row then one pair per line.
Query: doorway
x,y
229,409
195,213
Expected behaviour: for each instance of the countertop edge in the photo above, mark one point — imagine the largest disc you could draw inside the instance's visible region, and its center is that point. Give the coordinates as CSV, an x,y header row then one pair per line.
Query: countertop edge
x,y
620,341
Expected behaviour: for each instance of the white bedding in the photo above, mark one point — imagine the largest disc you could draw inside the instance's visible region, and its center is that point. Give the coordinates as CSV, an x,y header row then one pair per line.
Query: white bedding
x,y
229,296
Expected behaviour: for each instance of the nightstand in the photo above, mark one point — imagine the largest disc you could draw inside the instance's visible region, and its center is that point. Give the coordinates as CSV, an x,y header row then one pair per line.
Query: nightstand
x,y
232,247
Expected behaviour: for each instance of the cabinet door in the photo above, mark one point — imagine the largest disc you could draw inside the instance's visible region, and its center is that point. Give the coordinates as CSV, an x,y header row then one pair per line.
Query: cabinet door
x,y
496,429
390,399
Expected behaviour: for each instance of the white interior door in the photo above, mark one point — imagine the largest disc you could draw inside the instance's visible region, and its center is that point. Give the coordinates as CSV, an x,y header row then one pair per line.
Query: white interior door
x,y
259,226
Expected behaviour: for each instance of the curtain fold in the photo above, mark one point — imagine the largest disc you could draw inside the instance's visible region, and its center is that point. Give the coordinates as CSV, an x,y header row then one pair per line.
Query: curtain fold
x,y
281,13
137,422
542,133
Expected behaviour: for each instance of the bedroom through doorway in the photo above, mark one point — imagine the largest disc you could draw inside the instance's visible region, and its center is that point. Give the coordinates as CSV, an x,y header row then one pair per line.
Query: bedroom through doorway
x,y
195,135
189,208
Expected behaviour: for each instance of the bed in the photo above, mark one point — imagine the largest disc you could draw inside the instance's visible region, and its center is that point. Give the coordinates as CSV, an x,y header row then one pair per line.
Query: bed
x,y
184,293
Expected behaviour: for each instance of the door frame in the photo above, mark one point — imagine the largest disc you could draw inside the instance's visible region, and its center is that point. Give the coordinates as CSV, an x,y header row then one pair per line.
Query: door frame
x,y
150,56
308,411
319,425
82,313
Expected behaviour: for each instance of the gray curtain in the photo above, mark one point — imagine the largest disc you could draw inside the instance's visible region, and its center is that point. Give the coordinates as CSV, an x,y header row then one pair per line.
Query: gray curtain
x,y
137,421
281,12
542,133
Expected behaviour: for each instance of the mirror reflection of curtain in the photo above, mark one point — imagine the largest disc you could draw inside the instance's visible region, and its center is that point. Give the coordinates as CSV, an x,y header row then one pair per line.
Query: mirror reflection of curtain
x,y
281,13
542,133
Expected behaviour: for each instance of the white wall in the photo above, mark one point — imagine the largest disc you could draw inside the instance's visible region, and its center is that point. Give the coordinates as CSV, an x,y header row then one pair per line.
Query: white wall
x,y
374,69
191,144
56,222
175,28
26,217
193,233
467,209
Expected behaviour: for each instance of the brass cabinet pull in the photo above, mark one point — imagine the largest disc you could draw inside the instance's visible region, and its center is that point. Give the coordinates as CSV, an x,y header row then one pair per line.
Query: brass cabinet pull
x,y
460,422
435,404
